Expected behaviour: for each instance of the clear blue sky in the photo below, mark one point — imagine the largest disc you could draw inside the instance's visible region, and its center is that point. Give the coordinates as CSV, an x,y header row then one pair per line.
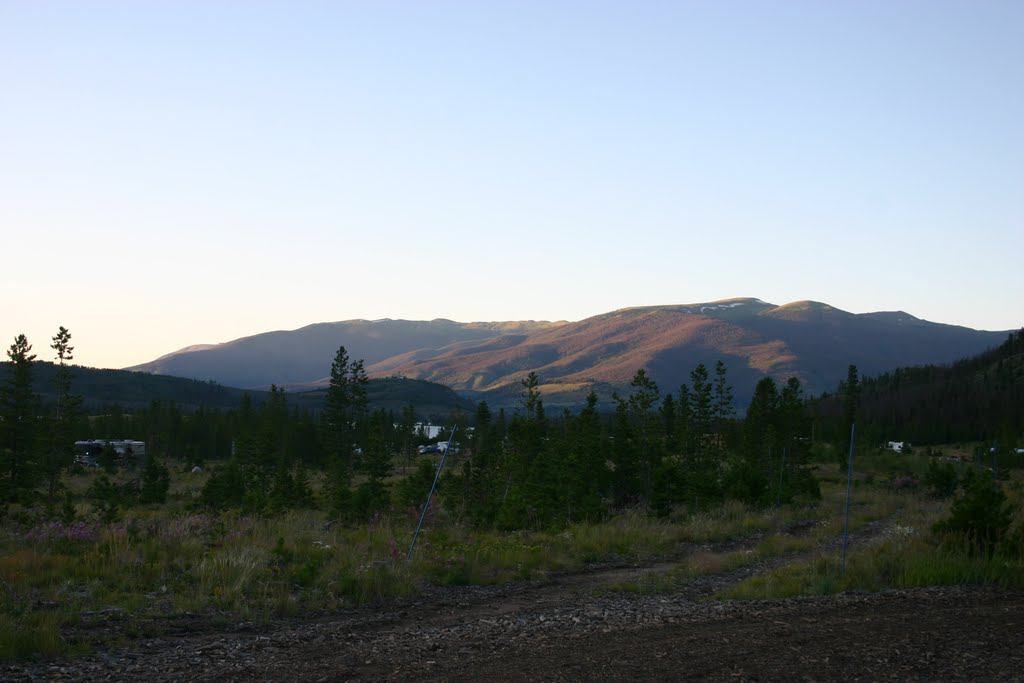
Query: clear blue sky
x,y
174,173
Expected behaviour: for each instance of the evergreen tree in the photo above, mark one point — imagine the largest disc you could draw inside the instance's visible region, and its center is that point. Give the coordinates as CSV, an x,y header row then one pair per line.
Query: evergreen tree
x,y
795,479
344,426
525,447
851,402
760,428
626,475
359,402
413,490
684,429
474,490
225,488
669,423
723,409
979,519
407,436
156,481
18,409
749,476
587,471
373,494
702,484
337,418
108,458
701,410
60,453
635,414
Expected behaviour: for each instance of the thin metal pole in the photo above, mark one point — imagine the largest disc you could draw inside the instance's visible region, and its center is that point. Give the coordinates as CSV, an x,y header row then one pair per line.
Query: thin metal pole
x,y
849,486
426,506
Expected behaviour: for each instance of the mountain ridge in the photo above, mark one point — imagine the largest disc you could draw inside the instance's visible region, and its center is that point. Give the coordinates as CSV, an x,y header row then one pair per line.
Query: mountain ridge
x,y
811,340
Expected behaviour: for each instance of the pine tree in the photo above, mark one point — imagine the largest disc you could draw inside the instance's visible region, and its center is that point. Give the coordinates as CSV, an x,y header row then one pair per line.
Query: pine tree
x,y
749,476
337,418
60,453
156,481
526,445
407,427
373,494
587,469
851,403
643,429
723,410
702,485
701,410
18,409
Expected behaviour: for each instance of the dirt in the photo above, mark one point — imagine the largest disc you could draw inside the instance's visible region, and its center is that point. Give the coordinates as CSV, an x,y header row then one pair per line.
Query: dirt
x,y
572,627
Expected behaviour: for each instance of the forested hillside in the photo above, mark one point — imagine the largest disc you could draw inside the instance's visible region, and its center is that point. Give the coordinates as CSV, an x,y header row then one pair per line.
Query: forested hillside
x,y
101,389
974,399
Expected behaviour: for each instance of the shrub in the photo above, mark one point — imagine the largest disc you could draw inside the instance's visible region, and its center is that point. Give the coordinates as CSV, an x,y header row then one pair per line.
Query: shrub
x,y
108,498
980,518
156,481
941,480
226,488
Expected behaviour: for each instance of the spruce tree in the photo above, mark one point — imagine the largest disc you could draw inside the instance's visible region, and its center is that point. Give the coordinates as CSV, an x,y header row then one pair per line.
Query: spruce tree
x,y
156,481
60,452
19,467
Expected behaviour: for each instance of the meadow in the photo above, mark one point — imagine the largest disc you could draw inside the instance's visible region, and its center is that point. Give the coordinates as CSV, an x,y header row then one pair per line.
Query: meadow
x,y
156,564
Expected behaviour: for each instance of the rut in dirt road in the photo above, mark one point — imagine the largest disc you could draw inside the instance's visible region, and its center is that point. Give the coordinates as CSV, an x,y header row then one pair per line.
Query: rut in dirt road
x,y
444,624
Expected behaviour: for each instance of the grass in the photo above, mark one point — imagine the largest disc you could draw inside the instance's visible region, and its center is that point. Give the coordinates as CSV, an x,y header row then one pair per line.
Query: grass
x,y
158,563
910,556
891,564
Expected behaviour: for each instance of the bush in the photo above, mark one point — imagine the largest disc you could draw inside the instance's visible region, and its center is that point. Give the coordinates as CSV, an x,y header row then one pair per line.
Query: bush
x,y
980,518
108,498
941,480
226,488
156,481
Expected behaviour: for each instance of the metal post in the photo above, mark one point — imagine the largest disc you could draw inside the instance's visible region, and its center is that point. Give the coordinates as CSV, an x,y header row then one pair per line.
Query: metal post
x,y
849,487
426,506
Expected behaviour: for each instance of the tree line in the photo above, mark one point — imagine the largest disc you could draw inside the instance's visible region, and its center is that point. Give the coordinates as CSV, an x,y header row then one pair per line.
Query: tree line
x,y
654,451
974,399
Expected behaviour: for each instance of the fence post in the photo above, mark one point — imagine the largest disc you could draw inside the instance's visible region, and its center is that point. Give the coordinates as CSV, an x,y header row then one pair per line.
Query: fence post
x,y
426,506
849,487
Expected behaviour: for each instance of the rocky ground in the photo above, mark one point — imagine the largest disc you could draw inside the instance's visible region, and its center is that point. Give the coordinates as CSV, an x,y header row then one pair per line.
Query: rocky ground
x,y
572,627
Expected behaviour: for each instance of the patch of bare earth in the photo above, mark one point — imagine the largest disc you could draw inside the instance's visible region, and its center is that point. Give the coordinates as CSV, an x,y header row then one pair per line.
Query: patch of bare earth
x,y
571,628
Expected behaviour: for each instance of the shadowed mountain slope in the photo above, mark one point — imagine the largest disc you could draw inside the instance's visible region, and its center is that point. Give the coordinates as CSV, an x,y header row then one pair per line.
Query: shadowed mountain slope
x,y
813,341
303,356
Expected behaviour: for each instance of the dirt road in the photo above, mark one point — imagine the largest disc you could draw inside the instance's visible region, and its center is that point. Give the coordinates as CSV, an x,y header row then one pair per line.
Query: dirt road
x,y
573,627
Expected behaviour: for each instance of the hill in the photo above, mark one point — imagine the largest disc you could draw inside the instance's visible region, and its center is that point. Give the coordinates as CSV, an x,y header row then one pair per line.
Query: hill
x,y
100,388
303,356
977,398
810,340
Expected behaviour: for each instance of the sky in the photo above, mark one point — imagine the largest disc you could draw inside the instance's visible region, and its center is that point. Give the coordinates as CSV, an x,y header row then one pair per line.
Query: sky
x,y
184,172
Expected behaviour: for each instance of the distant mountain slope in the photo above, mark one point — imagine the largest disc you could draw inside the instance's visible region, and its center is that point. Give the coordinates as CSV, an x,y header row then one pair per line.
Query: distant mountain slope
x,y
810,340
813,341
304,355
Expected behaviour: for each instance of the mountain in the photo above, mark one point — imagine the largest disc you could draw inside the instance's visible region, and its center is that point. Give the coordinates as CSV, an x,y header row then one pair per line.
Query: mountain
x,y
303,356
811,340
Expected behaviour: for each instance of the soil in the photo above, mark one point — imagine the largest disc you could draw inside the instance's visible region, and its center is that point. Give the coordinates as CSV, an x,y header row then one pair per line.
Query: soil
x,y
573,628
